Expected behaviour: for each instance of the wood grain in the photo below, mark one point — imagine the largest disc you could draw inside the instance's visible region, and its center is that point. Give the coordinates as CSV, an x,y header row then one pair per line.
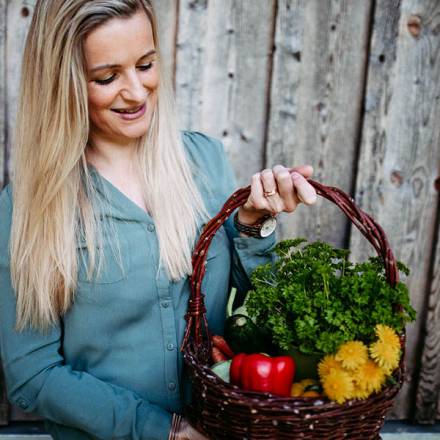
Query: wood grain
x,y
166,14
316,101
428,391
190,55
19,15
222,79
399,156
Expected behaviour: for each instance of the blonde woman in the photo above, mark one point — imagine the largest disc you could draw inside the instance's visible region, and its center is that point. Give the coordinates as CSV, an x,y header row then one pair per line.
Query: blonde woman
x,y
97,227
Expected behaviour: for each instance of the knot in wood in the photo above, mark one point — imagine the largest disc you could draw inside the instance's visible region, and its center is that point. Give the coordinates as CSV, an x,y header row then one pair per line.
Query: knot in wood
x,y
396,178
414,25
25,12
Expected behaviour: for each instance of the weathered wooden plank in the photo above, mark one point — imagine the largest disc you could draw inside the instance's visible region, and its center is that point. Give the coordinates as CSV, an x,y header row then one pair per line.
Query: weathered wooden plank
x,y
399,157
222,79
166,14
190,55
316,101
2,90
19,14
428,391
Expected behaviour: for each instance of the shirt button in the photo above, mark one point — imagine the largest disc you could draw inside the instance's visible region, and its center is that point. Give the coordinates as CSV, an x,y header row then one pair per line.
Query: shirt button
x,y
172,386
170,347
165,304
22,403
150,227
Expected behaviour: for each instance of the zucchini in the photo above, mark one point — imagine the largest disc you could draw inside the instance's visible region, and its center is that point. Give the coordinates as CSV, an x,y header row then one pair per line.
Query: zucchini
x,y
243,336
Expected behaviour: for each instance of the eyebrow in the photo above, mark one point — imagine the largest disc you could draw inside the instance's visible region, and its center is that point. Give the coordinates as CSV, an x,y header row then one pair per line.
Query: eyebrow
x,y
112,66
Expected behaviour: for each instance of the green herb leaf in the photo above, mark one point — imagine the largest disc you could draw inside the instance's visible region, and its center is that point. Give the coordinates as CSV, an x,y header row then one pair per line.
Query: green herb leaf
x,y
314,298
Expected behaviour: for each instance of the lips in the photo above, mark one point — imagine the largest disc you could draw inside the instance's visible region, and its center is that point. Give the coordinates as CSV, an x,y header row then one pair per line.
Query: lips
x,y
128,110
131,113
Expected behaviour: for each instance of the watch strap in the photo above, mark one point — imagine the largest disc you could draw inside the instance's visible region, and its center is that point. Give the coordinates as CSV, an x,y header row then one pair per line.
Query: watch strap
x,y
251,230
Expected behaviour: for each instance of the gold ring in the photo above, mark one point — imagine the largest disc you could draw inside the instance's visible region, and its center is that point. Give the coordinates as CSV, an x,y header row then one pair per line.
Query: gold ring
x,y
269,193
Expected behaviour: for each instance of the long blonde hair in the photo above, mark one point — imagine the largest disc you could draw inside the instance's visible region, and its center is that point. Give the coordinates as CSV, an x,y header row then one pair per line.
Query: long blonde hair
x,y
53,191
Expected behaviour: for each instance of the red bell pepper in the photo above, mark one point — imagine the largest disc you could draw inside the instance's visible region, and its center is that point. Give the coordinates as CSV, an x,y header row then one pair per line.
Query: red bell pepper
x,y
259,372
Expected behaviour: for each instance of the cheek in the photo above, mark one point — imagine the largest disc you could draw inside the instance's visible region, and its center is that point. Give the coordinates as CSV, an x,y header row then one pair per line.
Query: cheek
x,y
99,99
151,80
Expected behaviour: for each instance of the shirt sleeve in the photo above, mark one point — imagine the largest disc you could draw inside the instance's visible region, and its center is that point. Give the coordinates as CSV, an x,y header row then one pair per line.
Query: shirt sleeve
x,y
37,378
248,252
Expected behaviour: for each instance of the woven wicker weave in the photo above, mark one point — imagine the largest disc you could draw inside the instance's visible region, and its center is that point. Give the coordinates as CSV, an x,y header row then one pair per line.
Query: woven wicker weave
x,y
223,411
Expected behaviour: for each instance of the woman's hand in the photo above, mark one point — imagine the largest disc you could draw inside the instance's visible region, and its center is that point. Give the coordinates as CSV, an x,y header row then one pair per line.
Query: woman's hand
x,y
276,190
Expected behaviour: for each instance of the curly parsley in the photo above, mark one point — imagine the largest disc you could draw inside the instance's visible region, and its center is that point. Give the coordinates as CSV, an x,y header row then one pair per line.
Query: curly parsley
x,y
315,299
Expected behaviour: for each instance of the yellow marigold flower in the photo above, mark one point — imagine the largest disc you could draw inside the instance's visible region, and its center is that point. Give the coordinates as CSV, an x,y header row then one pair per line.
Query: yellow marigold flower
x,y
338,385
352,354
388,336
369,377
326,364
360,393
385,355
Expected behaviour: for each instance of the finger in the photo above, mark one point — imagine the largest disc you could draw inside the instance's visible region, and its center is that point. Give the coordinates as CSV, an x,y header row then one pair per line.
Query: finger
x,y
274,201
305,192
268,181
256,197
304,170
285,188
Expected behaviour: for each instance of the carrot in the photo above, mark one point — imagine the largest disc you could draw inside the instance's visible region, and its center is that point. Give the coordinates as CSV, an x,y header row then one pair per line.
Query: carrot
x,y
222,345
217,355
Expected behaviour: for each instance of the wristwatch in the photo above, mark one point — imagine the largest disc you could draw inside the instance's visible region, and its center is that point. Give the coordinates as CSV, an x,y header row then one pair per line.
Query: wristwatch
x,y
263,228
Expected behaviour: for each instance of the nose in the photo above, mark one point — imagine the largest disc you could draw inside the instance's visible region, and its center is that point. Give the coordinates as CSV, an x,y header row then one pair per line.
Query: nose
x,y
133,88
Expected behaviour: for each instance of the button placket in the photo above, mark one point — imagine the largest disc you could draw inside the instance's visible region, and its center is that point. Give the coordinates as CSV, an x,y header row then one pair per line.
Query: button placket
x,y
168,320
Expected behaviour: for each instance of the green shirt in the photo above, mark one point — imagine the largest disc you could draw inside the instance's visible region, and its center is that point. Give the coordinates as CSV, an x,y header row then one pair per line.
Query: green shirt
x,y
111,368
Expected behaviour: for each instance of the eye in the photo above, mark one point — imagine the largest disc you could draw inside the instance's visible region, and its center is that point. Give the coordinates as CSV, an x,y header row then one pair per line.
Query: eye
x,y
105,81
145,67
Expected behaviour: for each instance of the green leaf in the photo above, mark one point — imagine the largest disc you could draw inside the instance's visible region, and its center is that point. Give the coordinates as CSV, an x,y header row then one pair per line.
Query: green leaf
x,y
313,297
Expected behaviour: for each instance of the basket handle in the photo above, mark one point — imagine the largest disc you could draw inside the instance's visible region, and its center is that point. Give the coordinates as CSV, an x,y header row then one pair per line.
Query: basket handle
x,y
372,231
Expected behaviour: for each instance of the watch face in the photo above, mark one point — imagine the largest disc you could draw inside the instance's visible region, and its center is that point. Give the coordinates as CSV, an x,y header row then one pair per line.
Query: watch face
x,y
268,226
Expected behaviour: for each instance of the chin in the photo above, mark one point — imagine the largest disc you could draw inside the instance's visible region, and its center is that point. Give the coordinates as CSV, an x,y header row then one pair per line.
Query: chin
x,y
134,132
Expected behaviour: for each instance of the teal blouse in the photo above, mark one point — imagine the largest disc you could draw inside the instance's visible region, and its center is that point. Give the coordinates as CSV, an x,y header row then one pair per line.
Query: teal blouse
x,y
111,368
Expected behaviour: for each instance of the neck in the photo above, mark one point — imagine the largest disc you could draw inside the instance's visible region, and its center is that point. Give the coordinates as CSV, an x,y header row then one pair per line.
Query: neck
x,y
110,157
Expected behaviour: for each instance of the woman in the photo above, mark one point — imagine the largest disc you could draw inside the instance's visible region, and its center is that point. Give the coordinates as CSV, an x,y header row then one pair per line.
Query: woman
x,y
106,204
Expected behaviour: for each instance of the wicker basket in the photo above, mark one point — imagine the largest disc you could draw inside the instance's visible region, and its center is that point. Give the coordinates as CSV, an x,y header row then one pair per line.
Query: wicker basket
x,y
223,411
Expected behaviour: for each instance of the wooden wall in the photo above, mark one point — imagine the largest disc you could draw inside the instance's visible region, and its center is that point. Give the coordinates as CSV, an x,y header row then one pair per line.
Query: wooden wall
x,y
349,86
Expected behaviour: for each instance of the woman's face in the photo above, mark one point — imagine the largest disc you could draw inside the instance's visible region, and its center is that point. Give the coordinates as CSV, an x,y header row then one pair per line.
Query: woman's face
x,y
122,79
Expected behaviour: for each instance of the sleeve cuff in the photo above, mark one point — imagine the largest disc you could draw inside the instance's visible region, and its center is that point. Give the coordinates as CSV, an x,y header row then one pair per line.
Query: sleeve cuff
x,y
248,247
254,251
